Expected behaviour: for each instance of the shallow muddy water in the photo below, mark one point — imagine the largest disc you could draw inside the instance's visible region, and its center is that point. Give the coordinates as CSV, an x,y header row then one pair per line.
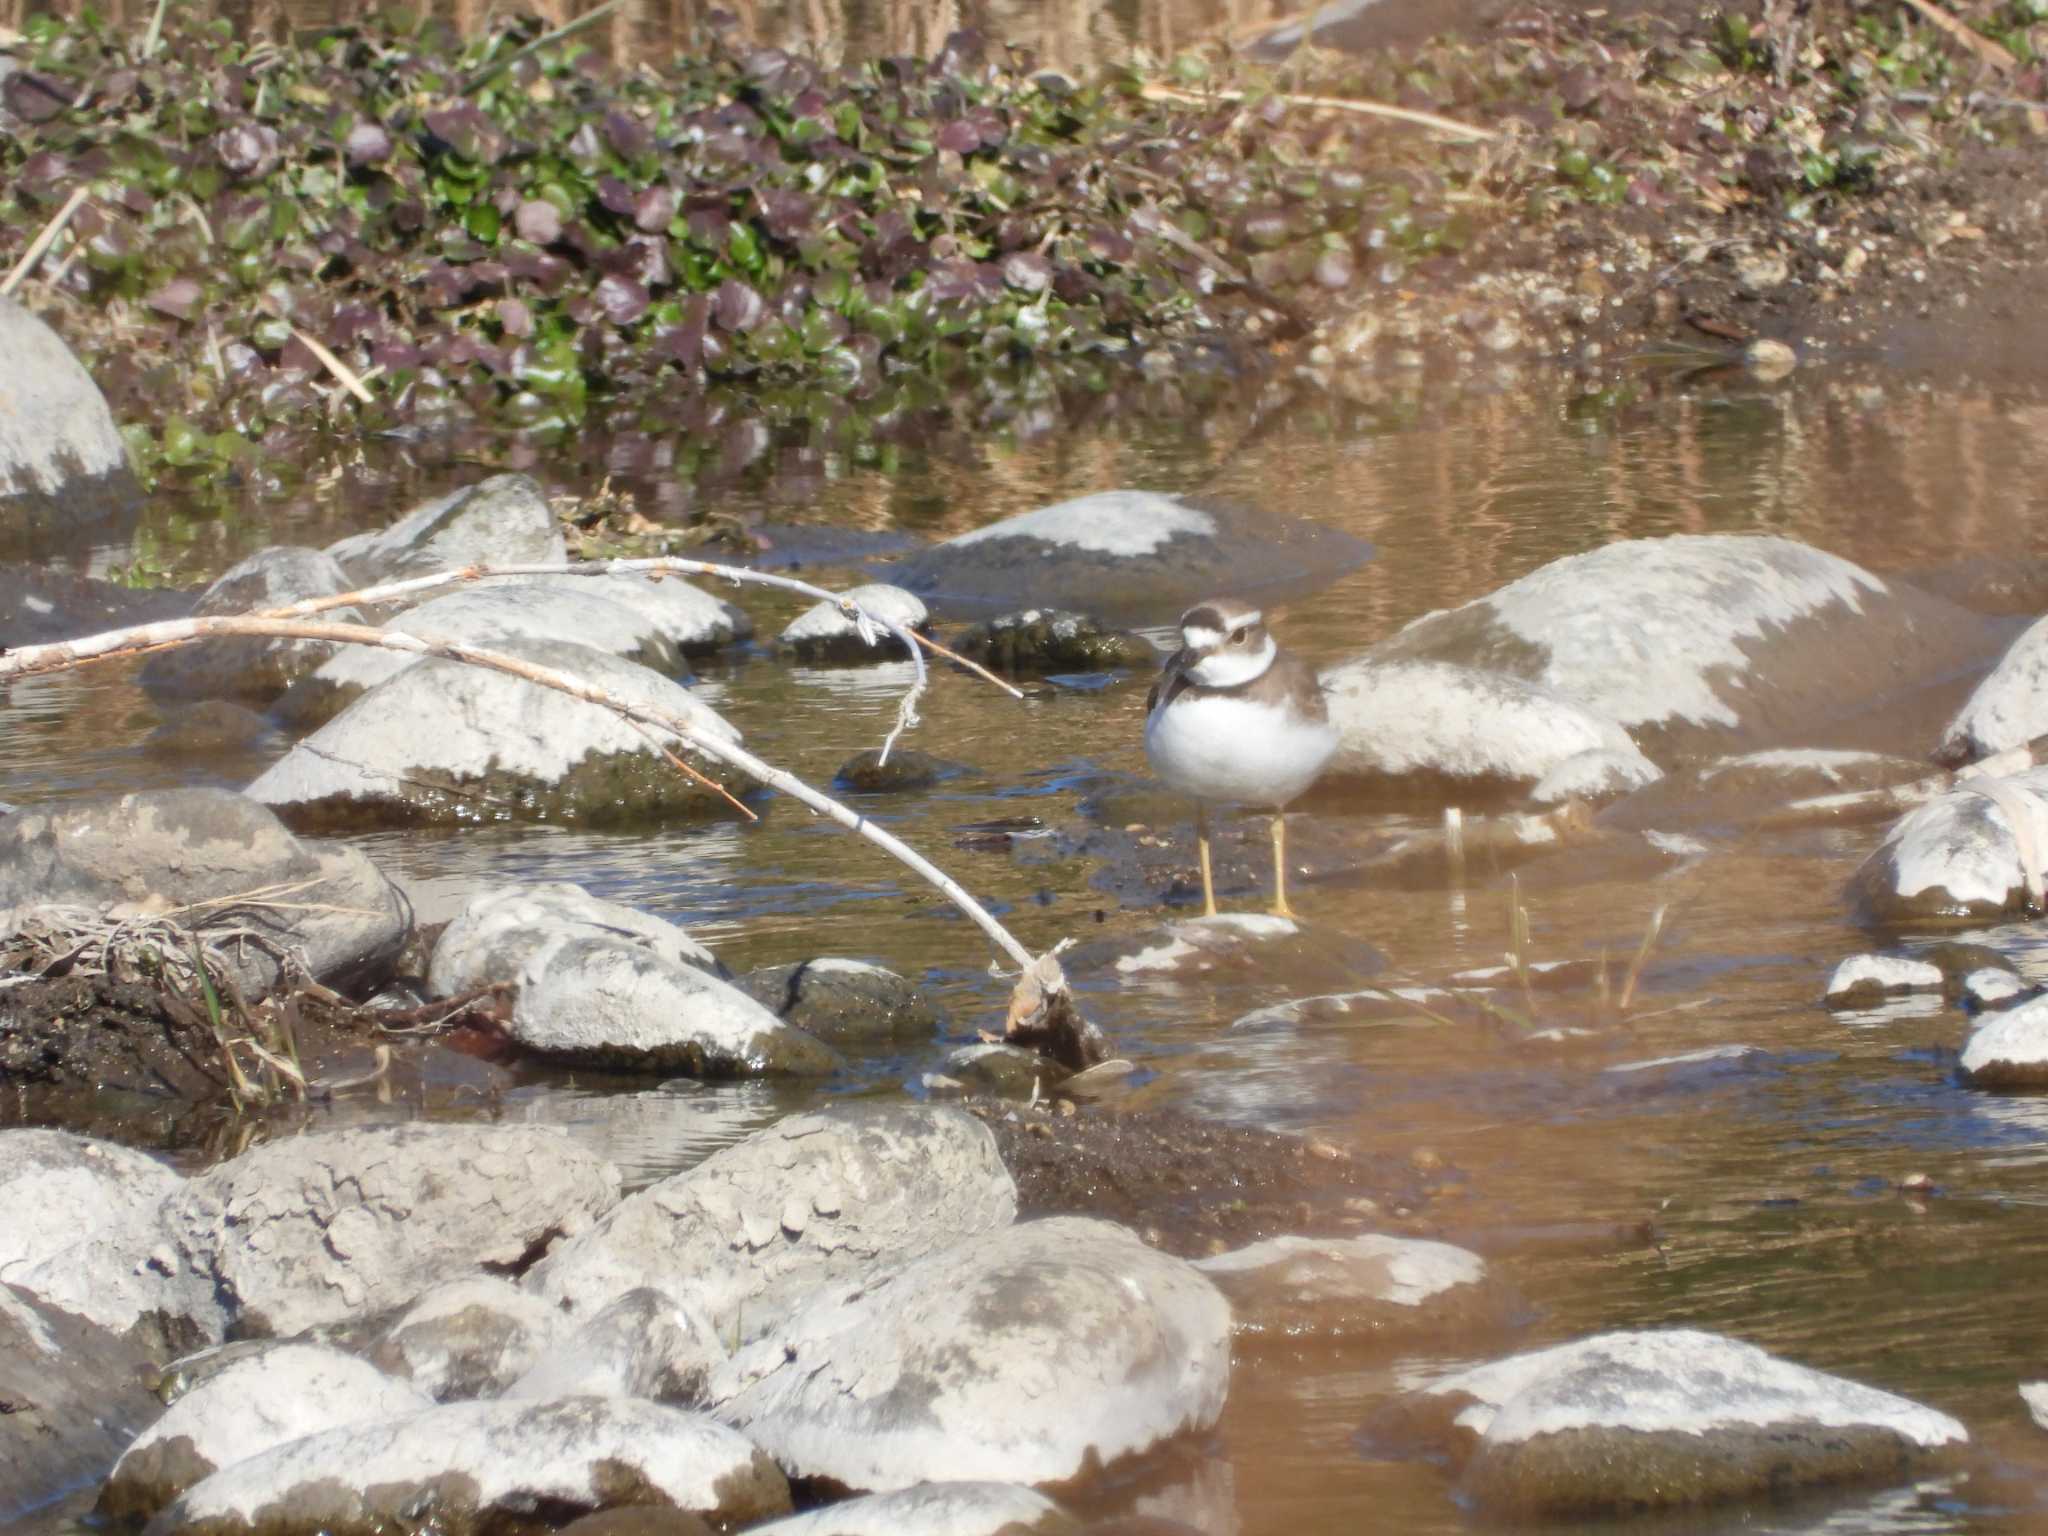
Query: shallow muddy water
x,y
1753,1193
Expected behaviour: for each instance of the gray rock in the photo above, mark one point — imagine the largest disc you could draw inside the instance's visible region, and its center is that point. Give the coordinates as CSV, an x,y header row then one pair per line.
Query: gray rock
x,y
64,473
1007,1070
1595,776
504,520
815,1199
1991,987
1193,948
211,728
2009,1049
1033,1353
1627,1421
2007,708
1054,640
470,1337
1701,644
159,849
1128,556
492,618
329,1227
107,1270
480,1466
935,1509
249,667
1460,728
844,1002
642,1345
1861,980
906,769
1965,854
602,985
1737,792
2035,1395
499,747
259,1401
75,1399
689,618
1352,1288
826,632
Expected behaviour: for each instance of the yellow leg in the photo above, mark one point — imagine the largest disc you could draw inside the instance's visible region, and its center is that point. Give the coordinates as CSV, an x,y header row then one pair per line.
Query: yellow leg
x,y
1202,851
1280,907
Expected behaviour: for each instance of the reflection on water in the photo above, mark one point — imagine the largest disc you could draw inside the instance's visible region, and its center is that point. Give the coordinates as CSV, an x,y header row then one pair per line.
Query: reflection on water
x,y
1755,1191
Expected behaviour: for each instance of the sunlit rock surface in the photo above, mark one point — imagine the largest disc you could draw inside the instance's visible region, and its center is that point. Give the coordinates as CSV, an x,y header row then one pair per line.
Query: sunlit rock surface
x,y
328,1227
504,520
159,849
844,1002
825,632
1630,1421
1862,980
935,1509
499,927
1054,640
1695,643
262,1400
1594,776
644,1344
499,747
469,1337
1354,1288
480,1465
1128,557
2008,709
2009,1049
1029,1354
811,1200
64,475
1969,853
251,667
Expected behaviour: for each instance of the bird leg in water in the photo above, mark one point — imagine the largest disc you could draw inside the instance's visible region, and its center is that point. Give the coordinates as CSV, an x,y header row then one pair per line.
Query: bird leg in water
x,y
1280,907
1202,852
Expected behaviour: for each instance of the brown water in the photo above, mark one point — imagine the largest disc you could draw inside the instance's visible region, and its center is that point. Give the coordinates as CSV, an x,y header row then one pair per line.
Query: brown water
x,y
1770,1180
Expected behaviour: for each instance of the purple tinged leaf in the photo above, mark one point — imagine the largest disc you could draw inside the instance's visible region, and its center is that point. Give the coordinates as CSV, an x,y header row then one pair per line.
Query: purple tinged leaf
x,y
368,144
34,98
248,150
537,221
653,209
627,134
1027,271
737,307
623,300
709,226
176,298
44,171
614,196
960,136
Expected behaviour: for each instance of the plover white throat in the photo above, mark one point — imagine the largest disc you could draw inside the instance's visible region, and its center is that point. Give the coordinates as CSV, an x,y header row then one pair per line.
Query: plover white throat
x,y
1233,717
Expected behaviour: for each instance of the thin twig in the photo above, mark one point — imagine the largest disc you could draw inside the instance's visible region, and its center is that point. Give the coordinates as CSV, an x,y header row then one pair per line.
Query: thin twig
x,y
568,29
347,376
43,241
1988,49
1430,120
155,34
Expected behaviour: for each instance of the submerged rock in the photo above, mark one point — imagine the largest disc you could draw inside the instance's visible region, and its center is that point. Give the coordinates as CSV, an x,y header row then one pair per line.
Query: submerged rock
x,y
499,747
1862,980
481,1466
844,1002
1461,729
1129,556
935,1509
642,1345
826,632
470,1337
809,1201
1054,640
1736,792
328,1227
262,1400
505,520
1355,1288
1033,1353
1191,948
1594,777
2008,709
2009,1049
906,769
211,728
1971,853
1697,642
1008,1071
64,476
251,667
162,849
1630,1421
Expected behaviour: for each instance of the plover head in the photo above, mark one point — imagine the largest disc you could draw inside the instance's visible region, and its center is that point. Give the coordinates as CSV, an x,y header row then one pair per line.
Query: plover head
x,y
1227,643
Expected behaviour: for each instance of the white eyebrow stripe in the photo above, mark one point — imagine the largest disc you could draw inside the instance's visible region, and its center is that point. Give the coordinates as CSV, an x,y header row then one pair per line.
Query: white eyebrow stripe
x,y
1199,638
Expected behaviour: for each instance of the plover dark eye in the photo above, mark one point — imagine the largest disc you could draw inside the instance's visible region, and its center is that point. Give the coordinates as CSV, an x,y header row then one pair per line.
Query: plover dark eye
x,y
1237,635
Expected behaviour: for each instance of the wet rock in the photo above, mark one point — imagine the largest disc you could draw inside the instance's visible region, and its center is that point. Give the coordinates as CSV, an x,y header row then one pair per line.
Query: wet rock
x,y
1698,644
935,1509
1628,1421
160,849
1459,727
1195,947
906,769
493,618
1129,557
1769,359
826,632
212,728
640,1520
107,1269
251,667
844,1002
64,476
1054,640
2009,1049
626,992
1991,987
500,747
39,604
1008,1071
2007,708
261,1400
504,520
812,1200
471,1337
642,1345
1735,792
1594,777
1965,854
1862,980
75,1398
480,1466
328,1227
1032,1353
2035,1395
689,618
1354,1288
